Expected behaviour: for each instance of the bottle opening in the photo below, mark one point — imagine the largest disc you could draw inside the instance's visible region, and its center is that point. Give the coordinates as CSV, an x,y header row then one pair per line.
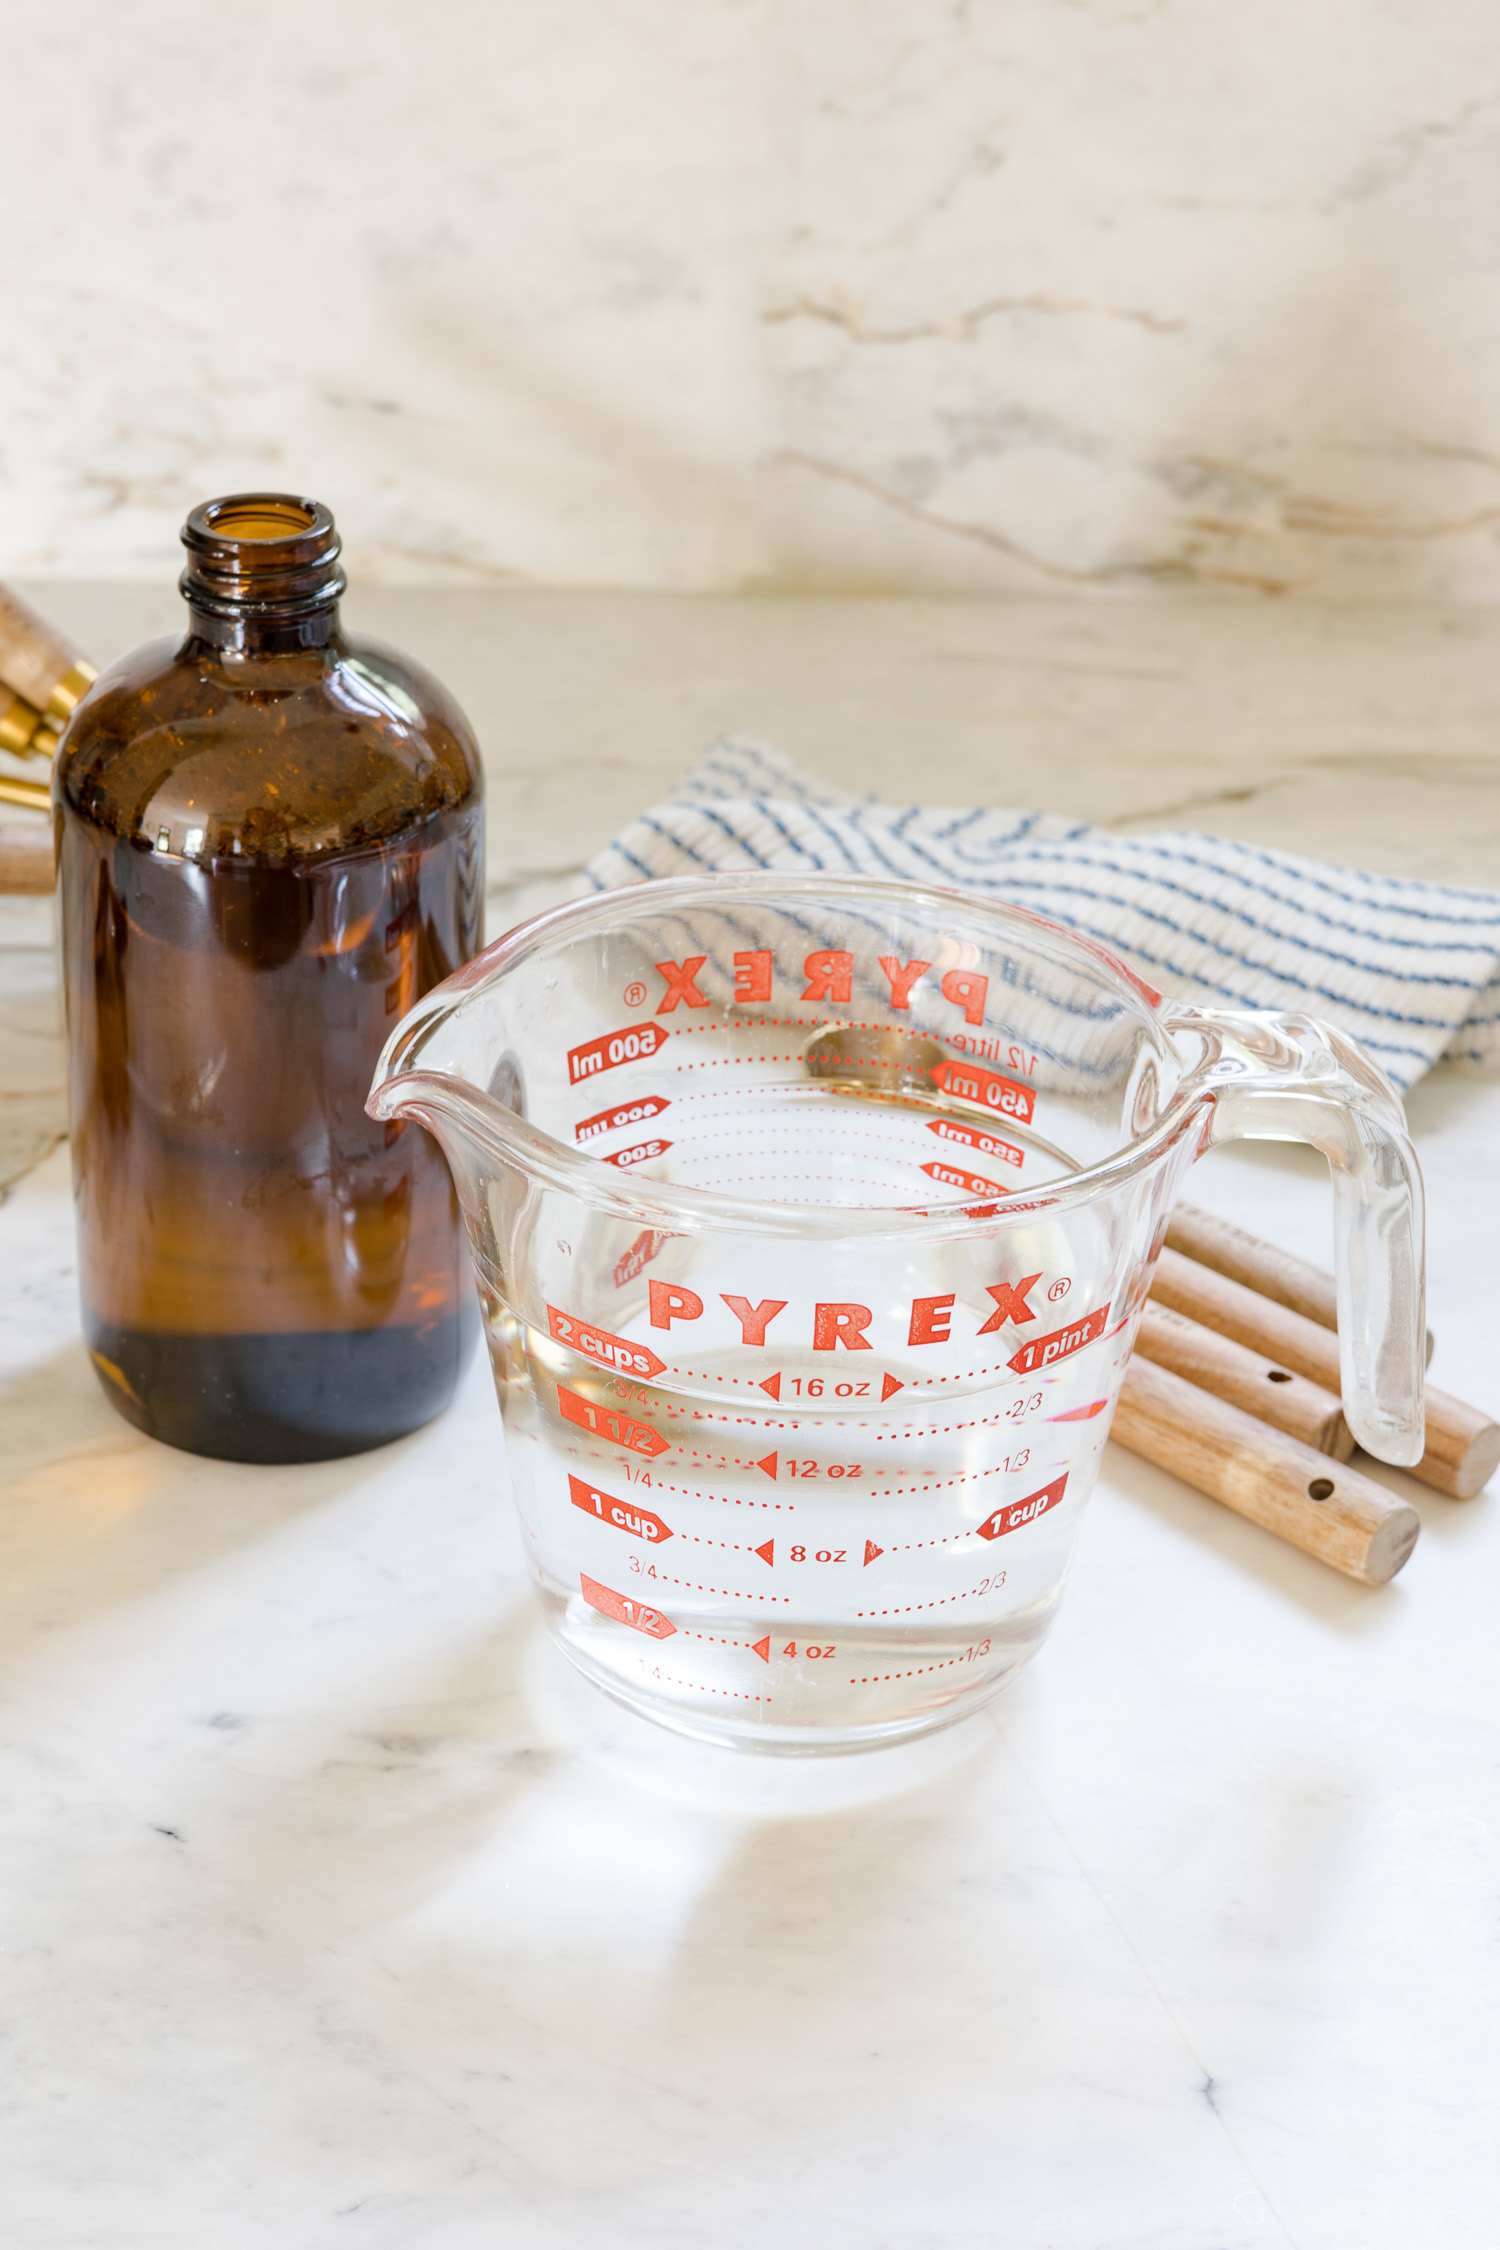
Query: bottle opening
x,y
260,517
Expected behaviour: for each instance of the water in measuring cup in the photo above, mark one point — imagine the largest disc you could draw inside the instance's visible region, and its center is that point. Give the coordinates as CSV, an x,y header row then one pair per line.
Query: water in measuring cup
x,y
785,1501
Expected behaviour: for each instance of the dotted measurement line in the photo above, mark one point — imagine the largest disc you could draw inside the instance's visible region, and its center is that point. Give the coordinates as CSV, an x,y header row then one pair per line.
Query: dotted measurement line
x,y
728,1499
744,1181
803,1024
949,1429
878,1679
942,1603
816,1424
735,1593
746,1382
789,1507
771,1136
968,1374
718,1460
701,1687
694,1491
730,1062
969,1476
908,1383
851,1486
721,1640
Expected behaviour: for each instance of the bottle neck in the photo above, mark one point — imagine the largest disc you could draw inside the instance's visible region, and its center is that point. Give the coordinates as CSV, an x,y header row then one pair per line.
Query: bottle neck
x,y
262,576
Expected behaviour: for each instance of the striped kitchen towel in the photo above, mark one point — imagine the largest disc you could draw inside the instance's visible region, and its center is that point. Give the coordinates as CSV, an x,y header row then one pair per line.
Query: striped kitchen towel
x,y
1411,969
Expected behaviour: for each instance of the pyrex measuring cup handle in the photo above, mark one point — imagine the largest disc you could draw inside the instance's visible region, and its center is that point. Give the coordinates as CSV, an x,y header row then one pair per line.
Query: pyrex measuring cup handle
x,y
1275,1077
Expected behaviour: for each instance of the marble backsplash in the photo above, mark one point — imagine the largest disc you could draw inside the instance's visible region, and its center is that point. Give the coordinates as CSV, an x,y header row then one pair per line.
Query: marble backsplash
x,y
998,295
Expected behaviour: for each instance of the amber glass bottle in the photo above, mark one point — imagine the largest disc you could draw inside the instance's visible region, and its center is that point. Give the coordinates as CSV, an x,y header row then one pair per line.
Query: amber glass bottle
x,y
270,845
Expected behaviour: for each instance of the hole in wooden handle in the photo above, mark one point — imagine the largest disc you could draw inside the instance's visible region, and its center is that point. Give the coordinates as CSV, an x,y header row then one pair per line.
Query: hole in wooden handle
x,y
1321,1488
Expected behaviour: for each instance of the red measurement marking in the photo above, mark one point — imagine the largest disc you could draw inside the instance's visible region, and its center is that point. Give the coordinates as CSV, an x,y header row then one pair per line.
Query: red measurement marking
x,y
767,1553
639,1522
606,1422
612,1048
767,1463
639,1154
763,1649
889,1384
1043,1351
637,1257
624,1610
1081,1413
988,1087
988,1144
972,1183
871,1551
600,1344
1023,1511
624,1113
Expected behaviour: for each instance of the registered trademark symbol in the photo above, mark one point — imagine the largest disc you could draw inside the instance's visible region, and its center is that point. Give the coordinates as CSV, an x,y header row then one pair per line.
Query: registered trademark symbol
x,y
1058,1289
634,995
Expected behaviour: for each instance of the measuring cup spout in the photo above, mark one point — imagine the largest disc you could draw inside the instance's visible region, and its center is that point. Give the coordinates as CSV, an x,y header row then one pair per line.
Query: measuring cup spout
x,y
461,1111
460,1118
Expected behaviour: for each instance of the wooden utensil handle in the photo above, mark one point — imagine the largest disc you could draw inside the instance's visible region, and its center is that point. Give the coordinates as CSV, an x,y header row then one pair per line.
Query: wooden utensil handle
x,y
1247,1379
38,662
1262,1325
1244,1258
1269,1272
1463,1445
1325,1508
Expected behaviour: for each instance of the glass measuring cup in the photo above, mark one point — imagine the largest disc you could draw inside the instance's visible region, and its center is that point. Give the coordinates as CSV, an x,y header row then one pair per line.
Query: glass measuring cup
x,y
812,1218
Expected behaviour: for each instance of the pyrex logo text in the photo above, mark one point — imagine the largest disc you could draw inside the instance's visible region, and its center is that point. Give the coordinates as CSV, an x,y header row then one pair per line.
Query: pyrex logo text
x,y
840,1324
829,975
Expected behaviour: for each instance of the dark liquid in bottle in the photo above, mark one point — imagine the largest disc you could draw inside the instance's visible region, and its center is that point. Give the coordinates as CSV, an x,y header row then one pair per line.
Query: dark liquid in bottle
x,y
268,1274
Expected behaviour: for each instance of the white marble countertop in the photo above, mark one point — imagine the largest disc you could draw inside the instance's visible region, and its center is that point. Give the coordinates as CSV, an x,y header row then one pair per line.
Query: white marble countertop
x,y
336,1912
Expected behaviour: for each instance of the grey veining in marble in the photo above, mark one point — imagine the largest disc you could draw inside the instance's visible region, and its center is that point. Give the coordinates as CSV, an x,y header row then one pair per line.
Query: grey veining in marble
x,y
977,295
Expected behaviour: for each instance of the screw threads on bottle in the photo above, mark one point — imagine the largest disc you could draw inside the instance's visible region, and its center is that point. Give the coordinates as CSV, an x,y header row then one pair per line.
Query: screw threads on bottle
x,y
261,559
